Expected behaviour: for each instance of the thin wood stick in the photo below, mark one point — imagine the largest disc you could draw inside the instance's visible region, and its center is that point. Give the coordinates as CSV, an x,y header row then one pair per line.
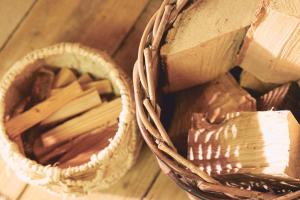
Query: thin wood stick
x,y
102,116
95,141
80,143
186,163
103,86
85,78
41,111
158,124
64,77
158,16
86,101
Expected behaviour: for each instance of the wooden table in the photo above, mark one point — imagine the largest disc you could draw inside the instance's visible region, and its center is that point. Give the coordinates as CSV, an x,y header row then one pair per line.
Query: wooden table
x,y
112,25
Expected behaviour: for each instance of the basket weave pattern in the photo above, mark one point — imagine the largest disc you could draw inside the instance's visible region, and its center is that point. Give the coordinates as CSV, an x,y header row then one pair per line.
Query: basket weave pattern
x,y
108,165
183,172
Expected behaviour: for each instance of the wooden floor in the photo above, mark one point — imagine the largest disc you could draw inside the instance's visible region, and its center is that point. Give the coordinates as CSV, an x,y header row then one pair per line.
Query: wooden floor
x,y
112,25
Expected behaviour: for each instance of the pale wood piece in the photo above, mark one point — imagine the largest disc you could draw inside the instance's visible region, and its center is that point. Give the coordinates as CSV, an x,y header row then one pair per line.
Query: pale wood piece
x,y
18,110
82,151
13,13
216,99
86,101
285,97
204,44
270,51
64,77
251,142
84,78
103,86
249,81
41,111
160,191
223,96
102,116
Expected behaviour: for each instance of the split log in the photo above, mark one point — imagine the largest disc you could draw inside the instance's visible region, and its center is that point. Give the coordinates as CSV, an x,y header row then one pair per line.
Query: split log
x,y
285,97
64,77
102,116
271,48
248,142
249,81
215,99
102,86
86,101
82,150
17,125
205,41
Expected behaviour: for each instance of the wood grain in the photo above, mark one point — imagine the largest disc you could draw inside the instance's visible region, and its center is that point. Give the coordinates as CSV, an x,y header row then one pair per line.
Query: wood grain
x,y
12,12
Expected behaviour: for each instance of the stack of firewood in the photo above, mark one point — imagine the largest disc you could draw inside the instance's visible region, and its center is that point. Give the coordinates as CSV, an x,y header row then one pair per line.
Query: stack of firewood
x,y
65,118
244,122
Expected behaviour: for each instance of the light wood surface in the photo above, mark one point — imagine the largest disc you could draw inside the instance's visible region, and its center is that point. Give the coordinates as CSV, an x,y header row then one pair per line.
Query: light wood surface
x,y
111,25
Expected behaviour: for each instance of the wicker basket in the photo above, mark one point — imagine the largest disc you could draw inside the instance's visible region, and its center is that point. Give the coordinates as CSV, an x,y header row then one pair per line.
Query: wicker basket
x,y
104,168
197,183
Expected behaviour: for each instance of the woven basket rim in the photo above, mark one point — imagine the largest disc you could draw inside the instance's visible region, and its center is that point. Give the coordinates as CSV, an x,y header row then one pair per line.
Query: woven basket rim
x,y
148,114
11,149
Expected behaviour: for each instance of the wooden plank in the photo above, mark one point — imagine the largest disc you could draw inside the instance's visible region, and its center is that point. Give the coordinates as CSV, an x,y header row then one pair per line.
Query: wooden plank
x,y
97,23
131,187
123,56
12,13
165,188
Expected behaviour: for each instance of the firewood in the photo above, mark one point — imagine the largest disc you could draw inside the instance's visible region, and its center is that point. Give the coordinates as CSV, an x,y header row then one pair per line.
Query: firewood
x,y
18,110
205,41
285,97
101,116
270,50
103,86
41,111
83,148
216,99
249,81
85,78
251,142
64,77
86,101
42,85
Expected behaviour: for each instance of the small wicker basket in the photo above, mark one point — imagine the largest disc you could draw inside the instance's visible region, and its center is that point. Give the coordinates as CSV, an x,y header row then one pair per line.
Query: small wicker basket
x,y
104,168
197,183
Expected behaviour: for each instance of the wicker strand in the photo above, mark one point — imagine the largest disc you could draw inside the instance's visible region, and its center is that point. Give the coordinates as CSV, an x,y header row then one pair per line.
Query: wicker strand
x,y
290,196
150,73
236,192
158,16
186,163
161,27
158,124
179,6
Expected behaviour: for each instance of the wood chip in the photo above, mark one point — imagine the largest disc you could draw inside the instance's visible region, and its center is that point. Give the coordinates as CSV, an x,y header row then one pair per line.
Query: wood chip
x,y
103,86
64,77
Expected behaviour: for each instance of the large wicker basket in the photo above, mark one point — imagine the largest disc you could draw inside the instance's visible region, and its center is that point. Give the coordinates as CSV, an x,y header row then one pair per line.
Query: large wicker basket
x,y
104,168
197,183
